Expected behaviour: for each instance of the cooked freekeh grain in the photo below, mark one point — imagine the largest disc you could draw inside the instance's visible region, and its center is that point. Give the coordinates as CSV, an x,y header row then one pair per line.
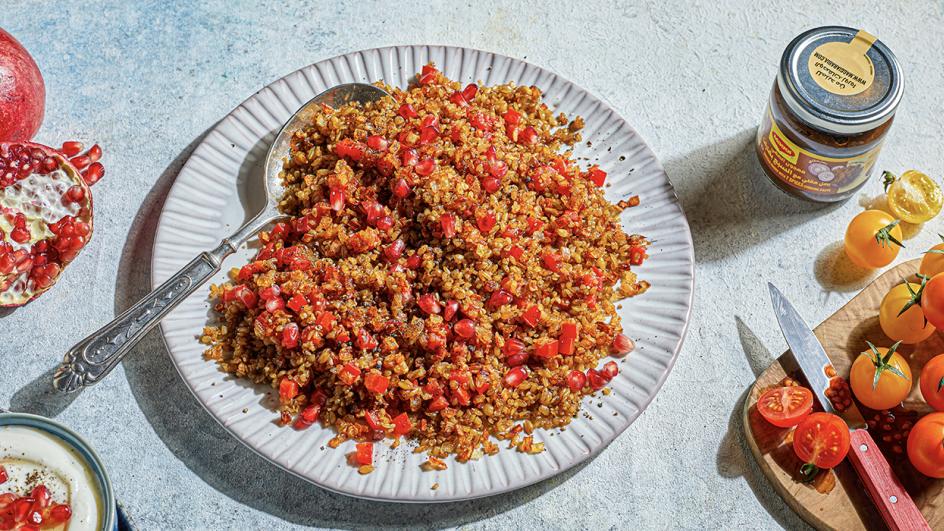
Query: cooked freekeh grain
x,y
448,274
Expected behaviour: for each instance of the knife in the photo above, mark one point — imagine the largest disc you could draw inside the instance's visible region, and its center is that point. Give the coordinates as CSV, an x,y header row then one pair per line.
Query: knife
x,y
890,497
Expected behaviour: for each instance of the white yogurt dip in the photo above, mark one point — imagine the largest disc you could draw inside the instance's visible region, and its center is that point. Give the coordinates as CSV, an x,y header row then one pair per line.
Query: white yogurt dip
x,y
32,456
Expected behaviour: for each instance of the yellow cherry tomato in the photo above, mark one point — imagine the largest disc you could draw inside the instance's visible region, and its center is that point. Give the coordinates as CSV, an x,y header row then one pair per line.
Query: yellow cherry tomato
x,y
932,382
909,327
880,378
914,197
933,261
873,239
926,445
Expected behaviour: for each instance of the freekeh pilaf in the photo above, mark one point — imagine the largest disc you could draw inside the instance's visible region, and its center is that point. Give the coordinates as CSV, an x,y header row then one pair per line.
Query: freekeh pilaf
x,y
448,274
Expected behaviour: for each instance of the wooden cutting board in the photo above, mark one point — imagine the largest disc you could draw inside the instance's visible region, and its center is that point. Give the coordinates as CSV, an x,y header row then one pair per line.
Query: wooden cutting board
x,y
843,334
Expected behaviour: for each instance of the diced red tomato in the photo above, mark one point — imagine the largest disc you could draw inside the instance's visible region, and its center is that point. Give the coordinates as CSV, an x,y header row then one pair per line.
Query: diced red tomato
x,y
551,261
568,338
637,255
376,383
511,116
349,374
531,316
407,111
297,302
596,176
288,389
364,456
547,350
438,403
401,424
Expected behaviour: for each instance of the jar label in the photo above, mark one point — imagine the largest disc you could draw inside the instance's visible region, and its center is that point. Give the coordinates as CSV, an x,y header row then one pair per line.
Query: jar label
x,y
844,68
808,171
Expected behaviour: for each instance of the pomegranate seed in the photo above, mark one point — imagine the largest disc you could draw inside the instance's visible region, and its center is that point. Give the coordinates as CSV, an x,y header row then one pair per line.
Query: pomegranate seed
x,y
596,380
610,370
377,143
637,255
3,475
491,184
531,316
365,341
528,135
517,359
409,157
534,225
20,235
486,222
576,380
72,148
464,328
401,188
21,507
515,376
516,252
49,164
430,120
290,335
350,149
385,223
469,92
288,389
499,298
497,169
270,292
480,121
448,223
428,304
94,173
336,198
450,310
425,167
60,513
622,345
81,162
75,194
458,99
512,117
274,304
94,153
394,250
407,111
413,261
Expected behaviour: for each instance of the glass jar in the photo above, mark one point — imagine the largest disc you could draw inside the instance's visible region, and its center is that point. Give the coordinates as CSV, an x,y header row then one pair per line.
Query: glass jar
x,y
830,108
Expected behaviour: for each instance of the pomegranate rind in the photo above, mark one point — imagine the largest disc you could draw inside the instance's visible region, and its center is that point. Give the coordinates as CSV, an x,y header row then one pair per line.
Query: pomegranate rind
x,y
40,198
22,91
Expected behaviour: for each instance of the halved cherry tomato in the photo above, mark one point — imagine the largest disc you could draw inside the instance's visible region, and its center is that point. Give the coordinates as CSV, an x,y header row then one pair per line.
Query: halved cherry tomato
x,y
880,377
932,301
822,440
873,239
909,326
932,382
926,445
933,262
914,197
785,406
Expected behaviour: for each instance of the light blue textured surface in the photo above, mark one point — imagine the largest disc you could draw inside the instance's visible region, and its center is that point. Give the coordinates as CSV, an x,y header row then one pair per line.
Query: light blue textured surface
x,y
146,79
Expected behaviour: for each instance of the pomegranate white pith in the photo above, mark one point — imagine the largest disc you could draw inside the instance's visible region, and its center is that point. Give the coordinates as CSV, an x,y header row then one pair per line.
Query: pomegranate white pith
x,y
45,217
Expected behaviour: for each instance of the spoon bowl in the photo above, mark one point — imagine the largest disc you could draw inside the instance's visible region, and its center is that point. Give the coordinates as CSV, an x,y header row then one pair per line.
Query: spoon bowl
x,y
90,360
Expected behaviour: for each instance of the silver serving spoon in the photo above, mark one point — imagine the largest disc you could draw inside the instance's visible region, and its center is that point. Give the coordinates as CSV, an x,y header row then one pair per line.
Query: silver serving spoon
x,y
95,356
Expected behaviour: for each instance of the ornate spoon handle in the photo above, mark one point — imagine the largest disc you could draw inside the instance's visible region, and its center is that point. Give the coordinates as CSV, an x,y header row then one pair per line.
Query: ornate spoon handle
x,y
95,356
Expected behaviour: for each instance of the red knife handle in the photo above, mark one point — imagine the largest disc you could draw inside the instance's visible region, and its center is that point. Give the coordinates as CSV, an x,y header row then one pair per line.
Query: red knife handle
x,y
890,497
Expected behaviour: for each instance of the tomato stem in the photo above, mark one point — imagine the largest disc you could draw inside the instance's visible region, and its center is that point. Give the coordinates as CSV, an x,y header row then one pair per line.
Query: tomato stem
x,y
887,179
884,236
809,471
940,385
882,365
915,296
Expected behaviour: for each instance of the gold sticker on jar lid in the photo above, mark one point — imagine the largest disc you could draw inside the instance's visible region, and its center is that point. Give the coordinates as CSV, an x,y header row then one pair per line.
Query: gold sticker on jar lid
x,y
844,68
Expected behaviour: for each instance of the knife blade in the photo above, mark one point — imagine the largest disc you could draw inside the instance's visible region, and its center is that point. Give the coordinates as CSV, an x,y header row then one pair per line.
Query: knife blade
x,y
810,356
891,499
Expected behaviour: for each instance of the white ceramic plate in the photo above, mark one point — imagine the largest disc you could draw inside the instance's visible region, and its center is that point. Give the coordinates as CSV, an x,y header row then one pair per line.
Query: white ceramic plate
x,y
211,198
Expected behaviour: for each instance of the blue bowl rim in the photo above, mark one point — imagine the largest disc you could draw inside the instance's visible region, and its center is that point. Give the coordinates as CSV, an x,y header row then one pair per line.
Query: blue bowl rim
x,y
84,449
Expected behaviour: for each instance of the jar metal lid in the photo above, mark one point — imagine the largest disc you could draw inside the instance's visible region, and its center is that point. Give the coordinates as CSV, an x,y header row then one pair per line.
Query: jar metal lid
x,y
840,80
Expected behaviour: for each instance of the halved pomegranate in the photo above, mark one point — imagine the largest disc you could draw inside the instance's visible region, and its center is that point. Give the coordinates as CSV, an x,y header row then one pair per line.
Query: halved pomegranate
x,y
45,214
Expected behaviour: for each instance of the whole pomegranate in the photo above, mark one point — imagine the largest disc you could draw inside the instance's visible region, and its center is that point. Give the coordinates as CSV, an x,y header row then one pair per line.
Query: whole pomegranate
x,y
22,92
45,214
